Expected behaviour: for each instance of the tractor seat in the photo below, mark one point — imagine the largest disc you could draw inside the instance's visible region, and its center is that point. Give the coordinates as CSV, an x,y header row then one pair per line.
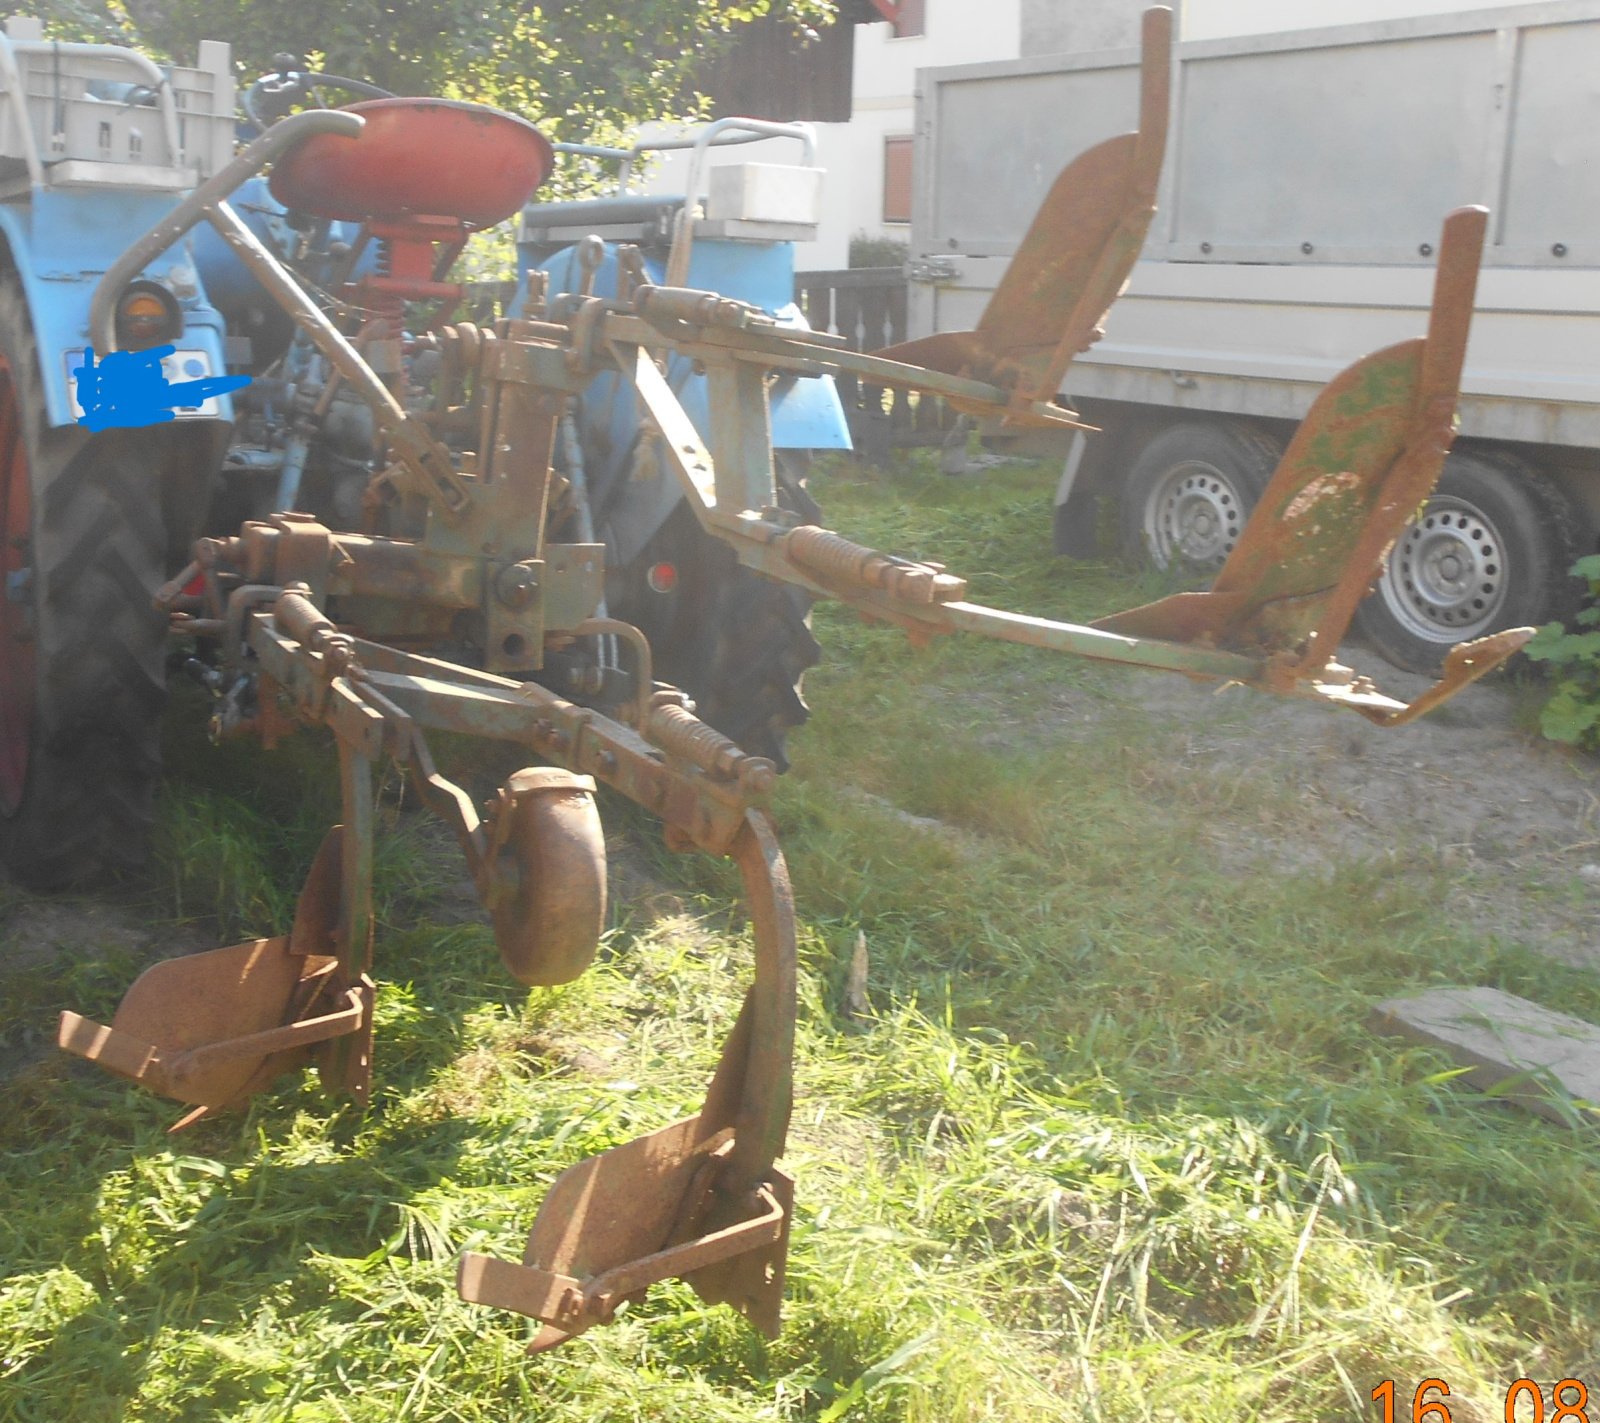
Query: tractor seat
x,y
417,157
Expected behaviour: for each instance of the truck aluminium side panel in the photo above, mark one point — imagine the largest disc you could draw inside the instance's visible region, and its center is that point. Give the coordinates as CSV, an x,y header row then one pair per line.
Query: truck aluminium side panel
x,y
1300,208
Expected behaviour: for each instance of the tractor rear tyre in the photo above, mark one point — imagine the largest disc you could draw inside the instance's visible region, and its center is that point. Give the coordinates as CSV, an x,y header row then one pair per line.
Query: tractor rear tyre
x,y
83,545
737,643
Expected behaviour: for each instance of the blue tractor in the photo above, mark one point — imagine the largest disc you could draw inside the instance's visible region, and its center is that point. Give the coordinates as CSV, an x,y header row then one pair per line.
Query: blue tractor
x,y
738,643
97,143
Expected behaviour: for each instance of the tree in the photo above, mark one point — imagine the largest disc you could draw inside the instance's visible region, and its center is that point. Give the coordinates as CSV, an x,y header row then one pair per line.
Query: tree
x,y
579,68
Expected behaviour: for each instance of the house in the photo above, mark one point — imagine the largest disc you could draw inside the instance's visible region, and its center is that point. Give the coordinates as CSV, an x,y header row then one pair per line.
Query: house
x,y
867,155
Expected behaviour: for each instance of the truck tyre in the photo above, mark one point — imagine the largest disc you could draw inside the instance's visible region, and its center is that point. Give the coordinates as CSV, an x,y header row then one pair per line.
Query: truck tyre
x,y
82,682
737,643
1491,550
1190,491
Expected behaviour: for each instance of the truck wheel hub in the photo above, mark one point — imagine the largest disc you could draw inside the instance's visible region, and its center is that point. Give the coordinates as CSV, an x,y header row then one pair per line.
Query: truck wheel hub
x,y
1195,517
1447,574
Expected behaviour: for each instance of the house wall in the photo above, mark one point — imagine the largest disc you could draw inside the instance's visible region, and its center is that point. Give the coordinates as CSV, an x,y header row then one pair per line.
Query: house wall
x,y
1063,27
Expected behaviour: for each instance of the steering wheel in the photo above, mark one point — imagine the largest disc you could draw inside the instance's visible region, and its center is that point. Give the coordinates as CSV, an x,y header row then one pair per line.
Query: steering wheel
x,y
276,95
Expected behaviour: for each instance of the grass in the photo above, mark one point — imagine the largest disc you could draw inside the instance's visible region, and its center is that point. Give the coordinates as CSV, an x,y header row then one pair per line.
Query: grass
x,y
1111,1142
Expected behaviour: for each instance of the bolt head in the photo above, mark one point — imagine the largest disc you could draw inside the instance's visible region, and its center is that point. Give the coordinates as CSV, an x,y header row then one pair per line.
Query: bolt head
x,y
516,585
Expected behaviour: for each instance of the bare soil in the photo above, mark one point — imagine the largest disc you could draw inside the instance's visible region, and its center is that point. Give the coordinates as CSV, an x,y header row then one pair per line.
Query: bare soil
x,y
1471,788
35,929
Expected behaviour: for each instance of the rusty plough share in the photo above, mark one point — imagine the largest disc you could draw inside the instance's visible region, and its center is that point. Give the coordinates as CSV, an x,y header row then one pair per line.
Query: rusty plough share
x,y
318,626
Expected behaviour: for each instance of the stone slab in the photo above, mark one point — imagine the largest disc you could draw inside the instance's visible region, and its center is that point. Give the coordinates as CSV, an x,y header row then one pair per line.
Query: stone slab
x,y
1545,1061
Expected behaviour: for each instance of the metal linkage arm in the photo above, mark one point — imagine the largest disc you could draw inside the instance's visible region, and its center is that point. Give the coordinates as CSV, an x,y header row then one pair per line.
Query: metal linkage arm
x,y
428,463
924,599
919,597
273,144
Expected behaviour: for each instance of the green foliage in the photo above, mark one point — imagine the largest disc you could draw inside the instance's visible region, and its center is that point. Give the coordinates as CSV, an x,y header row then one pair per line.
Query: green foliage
x,y
579,68
1573,712
877,251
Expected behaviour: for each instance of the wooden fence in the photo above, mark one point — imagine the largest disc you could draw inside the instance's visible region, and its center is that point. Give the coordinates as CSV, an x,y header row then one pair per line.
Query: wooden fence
x,y
867,306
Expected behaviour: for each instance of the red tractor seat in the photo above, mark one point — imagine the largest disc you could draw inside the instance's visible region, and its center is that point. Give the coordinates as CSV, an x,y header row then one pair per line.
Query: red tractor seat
x,y
417,157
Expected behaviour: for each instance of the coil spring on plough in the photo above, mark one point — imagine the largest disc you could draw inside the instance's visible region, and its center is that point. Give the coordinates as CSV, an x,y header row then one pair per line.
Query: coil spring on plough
x,y
838,561
673,727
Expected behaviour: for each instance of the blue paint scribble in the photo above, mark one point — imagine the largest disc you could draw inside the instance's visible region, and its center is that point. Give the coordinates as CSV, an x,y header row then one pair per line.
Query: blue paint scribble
x,y
128,389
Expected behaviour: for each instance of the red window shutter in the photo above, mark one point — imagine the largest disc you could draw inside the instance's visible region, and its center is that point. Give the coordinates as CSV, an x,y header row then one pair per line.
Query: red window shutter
x,y
897,179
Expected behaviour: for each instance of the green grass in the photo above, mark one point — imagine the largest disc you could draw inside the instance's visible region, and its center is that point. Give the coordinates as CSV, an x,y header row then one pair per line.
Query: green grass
x,y
1112,1143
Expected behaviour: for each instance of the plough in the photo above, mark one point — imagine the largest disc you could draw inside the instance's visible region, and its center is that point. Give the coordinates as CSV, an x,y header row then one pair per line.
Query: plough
x,y
350,631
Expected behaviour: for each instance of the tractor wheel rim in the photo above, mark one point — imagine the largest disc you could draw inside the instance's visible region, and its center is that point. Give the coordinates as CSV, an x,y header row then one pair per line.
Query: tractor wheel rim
x,y
1446,579
17,667
1195,517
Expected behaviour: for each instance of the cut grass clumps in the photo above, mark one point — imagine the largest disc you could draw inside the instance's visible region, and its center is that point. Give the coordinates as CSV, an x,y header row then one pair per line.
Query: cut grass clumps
x,y
1102,1136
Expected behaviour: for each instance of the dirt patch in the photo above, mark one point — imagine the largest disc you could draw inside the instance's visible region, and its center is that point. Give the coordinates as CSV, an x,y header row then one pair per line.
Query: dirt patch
x,y
33,931
38,935
1514,817
1472,789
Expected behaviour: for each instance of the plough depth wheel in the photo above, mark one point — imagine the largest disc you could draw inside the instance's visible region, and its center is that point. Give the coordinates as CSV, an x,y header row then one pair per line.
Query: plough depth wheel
x,y
549,925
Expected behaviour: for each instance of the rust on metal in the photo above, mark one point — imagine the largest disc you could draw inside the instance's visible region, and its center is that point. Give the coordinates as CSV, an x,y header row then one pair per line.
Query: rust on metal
x,y
1363,461
1075,258
702,1198
837,560
213,1028
550,909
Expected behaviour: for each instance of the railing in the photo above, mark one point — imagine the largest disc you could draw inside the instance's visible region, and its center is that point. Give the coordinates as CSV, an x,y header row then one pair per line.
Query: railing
x,y
867,306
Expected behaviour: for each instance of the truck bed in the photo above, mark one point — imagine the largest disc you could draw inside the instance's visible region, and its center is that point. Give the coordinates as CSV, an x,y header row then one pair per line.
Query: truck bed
x,y
1300,208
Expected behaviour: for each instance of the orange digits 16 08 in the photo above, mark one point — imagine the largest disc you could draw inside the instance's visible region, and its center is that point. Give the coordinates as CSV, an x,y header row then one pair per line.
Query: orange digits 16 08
x,y
1525,1402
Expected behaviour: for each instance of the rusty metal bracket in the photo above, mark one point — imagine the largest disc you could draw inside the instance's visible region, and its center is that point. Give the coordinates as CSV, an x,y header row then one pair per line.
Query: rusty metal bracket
x,y
701,1198
1073,261
570,1305
212,1029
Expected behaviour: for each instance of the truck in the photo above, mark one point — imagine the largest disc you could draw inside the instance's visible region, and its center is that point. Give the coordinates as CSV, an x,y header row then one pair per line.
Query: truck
x,y
1294,232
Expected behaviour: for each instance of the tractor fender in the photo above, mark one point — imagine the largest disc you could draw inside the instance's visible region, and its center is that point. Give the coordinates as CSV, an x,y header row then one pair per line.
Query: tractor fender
x,y
60,244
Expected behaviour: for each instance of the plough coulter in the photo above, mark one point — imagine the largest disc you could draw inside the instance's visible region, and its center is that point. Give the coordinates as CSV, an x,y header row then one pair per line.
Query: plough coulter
x,y
470,597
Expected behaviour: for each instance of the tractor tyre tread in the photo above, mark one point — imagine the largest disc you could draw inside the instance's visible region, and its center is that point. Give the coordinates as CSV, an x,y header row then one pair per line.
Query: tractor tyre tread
x,y
739,644
99,543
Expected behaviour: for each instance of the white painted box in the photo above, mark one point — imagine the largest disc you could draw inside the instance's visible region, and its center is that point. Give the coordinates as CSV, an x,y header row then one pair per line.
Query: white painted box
x,y
764,192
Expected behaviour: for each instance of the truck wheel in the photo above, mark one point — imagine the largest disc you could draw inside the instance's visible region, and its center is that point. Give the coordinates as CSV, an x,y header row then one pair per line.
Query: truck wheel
x,y
1191,490
737,643
81,648
1490,551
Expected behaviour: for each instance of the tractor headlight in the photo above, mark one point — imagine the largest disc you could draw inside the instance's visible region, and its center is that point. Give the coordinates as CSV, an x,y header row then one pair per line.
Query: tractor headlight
x,y
147,315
